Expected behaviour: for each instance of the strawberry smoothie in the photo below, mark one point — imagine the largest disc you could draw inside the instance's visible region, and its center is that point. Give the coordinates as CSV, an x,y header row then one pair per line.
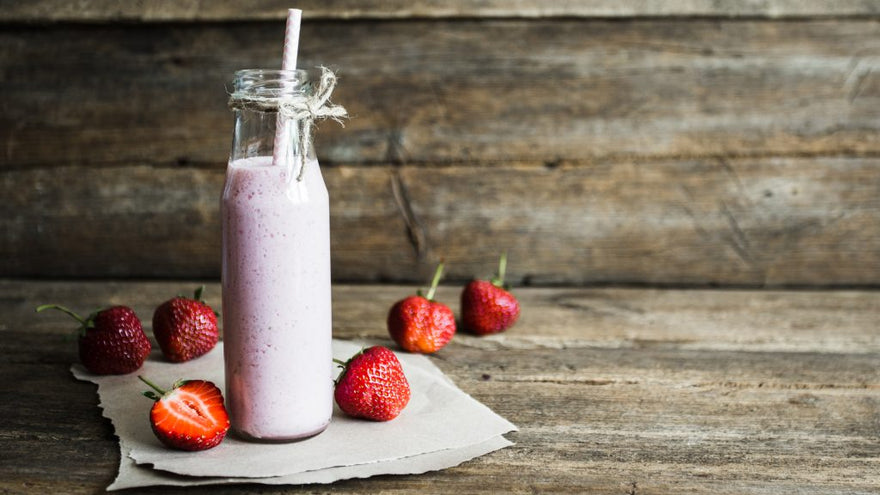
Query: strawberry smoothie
x,y
276,300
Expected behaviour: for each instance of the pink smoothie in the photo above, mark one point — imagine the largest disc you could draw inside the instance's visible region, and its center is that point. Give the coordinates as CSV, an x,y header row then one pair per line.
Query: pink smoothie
x,y
276,301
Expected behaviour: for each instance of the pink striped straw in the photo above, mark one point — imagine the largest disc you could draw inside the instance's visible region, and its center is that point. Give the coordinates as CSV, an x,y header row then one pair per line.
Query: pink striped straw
x,y
288,62
291,39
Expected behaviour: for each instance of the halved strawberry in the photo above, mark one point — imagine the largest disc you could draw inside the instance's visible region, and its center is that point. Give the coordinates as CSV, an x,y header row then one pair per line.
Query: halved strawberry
x,y
190,416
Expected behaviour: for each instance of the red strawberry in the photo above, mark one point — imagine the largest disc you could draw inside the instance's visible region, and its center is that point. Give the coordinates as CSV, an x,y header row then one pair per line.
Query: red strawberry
x,y
372,385
486,306
190,416
420,324
111,341
185,328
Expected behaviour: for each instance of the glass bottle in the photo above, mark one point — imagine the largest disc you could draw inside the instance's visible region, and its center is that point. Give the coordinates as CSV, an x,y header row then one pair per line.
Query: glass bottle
x,y
276,270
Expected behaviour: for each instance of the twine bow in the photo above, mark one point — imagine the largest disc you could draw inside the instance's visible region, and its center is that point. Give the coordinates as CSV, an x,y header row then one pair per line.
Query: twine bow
x,y
298,113
303,111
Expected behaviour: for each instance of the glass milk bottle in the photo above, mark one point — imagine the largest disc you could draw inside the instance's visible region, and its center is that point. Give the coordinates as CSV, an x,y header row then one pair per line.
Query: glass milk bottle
x,y
276,265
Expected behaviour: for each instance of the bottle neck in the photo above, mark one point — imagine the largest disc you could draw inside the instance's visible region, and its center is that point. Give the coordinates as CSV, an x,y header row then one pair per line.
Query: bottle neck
x,y
257,96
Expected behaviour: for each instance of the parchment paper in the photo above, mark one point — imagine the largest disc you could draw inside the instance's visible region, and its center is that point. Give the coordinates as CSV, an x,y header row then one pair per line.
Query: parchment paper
x,y
442,426
133,475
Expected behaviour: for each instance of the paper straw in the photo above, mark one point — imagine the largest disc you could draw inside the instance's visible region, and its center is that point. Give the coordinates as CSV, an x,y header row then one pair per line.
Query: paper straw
x,y
291,39
288,62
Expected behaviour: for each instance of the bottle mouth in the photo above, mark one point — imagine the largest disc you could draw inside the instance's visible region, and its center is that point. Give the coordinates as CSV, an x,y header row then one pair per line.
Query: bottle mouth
x,y
271,83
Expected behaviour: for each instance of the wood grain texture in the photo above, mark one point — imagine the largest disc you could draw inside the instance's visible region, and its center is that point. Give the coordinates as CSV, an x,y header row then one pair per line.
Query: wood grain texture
x,y
808,321
673,151
614,391
443,91
761,222
225,10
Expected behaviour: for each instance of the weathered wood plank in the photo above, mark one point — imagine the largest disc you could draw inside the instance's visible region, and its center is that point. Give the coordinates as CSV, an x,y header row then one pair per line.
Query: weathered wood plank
x,y
444,91
810,321
225,10
663,436
682,409
762,222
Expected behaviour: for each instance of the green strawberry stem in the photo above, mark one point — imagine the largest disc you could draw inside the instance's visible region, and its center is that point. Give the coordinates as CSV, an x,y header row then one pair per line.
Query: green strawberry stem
x,y
344,364
149,394
63,309
502,268
197,296
434,282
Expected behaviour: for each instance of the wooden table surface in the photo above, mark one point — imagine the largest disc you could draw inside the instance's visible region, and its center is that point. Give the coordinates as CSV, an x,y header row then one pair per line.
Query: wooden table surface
x,y
613,390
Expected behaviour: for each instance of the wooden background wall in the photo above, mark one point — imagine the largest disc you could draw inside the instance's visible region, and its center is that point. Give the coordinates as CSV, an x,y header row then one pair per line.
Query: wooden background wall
x,y
630,142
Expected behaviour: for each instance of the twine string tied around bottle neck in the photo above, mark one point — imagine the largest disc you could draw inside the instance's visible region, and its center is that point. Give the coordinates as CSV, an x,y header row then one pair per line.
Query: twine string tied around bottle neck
x,y
300,111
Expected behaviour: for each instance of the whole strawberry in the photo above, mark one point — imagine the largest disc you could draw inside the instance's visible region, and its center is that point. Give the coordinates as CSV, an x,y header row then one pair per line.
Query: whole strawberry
x,y
185,328
190,416
111,341
372,385
420,324
486,306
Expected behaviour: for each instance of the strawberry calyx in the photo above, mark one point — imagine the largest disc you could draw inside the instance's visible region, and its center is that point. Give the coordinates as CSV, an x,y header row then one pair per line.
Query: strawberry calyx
x,y
438,273
344,364
197,296
152,395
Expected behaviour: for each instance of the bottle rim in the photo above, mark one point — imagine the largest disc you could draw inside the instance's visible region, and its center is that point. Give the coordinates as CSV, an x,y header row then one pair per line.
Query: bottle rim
x,y
271,83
